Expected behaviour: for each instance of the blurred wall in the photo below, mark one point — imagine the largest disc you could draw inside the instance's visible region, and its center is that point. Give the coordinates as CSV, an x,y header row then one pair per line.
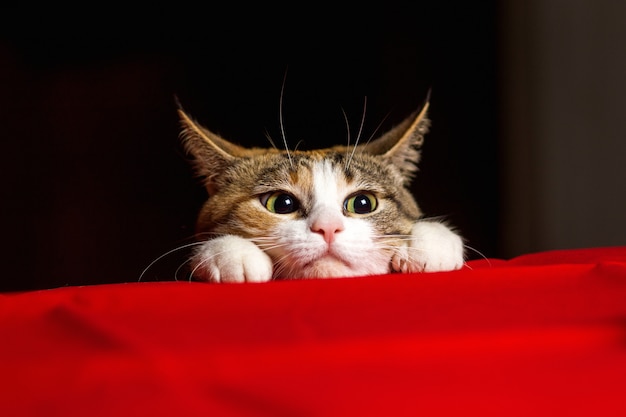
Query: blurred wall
x,y
563,136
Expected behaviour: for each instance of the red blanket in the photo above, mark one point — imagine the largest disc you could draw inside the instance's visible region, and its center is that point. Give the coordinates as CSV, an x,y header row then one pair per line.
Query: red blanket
x,y
542,334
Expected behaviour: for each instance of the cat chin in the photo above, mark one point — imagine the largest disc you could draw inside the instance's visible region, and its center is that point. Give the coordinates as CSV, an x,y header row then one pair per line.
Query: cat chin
x,y
330,267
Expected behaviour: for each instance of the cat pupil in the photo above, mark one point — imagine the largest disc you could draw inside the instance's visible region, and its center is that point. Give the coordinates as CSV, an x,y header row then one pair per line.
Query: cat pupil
x,y
362,204
284,204
280,203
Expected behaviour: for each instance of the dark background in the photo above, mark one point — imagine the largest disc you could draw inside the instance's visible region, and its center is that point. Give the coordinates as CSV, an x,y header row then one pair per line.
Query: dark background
x,y
96,183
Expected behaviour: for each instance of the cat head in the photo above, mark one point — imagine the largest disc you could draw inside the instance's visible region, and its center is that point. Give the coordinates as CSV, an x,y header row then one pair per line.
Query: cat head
x,y
298,205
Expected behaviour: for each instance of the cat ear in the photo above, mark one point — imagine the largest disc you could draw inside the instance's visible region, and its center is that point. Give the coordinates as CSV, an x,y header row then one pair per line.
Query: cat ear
x,y
212,154
401,145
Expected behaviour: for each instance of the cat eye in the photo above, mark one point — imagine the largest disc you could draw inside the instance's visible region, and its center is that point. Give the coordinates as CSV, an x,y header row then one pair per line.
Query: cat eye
x,y
361,203
280,202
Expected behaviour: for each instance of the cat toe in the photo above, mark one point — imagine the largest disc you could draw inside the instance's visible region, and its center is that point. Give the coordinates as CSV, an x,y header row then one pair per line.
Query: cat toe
x,y
400,261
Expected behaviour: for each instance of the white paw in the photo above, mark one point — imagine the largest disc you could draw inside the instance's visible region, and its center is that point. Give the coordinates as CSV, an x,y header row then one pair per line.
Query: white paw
x,y
231,259
433,247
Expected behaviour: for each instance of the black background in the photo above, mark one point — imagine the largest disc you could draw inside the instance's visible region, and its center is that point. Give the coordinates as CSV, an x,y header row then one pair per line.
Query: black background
x,y
96,184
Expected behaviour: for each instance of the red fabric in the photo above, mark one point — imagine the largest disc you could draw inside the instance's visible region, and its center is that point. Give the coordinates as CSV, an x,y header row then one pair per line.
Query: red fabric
x,y
542,334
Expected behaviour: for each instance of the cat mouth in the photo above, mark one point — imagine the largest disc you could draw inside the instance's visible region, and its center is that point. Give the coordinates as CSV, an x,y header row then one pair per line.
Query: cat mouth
x,y
329,258
324,264
327,265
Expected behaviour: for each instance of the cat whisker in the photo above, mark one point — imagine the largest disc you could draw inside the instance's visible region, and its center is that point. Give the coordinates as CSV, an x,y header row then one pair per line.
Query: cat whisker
x,y
268,247
272,238
151,264
479,253
358,136
297,145
206,234
280,266
280,117
270,140
345,119
205,261
386,239
192,273
440,219
180,267
377,129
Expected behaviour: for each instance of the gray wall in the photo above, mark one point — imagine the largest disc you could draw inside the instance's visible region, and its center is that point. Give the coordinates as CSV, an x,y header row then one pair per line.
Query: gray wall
x,y
563,124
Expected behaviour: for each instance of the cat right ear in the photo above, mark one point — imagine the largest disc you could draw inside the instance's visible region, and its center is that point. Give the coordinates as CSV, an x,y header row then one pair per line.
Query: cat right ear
x,y
401,145
211,153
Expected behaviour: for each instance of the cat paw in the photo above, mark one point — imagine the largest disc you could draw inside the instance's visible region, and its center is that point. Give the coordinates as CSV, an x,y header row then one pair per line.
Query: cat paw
x,y
433,247
231,259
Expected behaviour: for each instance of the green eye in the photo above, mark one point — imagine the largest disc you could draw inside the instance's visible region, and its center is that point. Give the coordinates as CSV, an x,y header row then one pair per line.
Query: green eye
x,y
280,202
361,203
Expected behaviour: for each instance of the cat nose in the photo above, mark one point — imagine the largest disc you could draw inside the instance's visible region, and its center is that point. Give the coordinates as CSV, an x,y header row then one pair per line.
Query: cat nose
x,y
328,227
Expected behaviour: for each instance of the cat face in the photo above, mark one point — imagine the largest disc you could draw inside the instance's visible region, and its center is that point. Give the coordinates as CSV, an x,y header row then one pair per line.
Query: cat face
x,y
340,211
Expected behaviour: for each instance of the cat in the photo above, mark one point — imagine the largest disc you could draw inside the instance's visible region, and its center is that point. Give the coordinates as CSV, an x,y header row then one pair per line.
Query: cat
x,y
343,211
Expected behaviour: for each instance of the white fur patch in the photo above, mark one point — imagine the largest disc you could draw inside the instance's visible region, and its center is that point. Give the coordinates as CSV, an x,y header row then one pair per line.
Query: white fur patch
x,y
433,247
231,259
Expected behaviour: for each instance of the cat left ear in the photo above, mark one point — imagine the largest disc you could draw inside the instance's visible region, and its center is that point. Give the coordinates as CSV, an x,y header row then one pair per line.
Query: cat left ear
x,y
212,154
401,145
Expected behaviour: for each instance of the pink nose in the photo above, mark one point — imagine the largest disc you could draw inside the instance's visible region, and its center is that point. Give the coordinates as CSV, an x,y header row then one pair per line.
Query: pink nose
x,y
328,228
